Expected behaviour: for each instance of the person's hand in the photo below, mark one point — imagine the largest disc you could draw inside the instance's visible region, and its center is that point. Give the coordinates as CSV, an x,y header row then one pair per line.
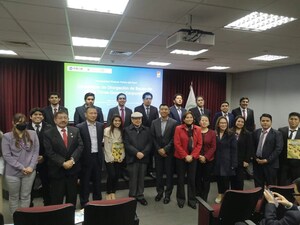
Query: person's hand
x,y
245,164
261,161
202,159
282,200
189,158
269,197
162,152
68,164
40,159
139,155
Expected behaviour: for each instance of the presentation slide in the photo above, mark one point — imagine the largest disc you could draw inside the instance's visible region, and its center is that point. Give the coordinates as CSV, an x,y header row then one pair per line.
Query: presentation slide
x,y
106,82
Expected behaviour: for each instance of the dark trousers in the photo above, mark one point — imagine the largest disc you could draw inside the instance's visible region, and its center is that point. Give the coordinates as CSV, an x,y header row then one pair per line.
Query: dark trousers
x,y
237,181
288,173
164,164
264,175
203,175
113,173
137,173
91,173
183,168
223,184
66,186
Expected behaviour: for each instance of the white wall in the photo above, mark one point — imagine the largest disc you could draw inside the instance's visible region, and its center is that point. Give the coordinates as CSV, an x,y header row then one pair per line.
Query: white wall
x,y
274,91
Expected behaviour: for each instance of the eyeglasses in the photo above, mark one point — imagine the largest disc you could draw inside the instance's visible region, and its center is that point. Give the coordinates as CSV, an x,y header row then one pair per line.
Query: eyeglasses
x,y
296,194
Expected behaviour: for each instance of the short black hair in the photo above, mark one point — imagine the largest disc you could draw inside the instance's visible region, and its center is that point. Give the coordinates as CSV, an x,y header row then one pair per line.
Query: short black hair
x,y
266,115
177,94
53,93
163,104
120,95
60,112
36,109
244,98
88,95
90,107
147,93
225,102
294,114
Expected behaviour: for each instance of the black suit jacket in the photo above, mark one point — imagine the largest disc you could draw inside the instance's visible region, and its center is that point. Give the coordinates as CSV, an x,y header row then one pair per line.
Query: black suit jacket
x,y
197,114
174,114
152,115
57,153
283,155
49,114
272,147
114,111
87,145
165,141
79,115
230,122
250,124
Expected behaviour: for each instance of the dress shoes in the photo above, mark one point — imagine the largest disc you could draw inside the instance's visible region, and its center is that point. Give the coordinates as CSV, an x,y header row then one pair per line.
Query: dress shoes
x,y
166,200
151,175
180,205
193,206
158,197
142,201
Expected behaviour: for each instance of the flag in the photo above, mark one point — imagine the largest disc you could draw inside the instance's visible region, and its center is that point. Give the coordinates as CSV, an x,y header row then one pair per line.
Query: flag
x,y
191,100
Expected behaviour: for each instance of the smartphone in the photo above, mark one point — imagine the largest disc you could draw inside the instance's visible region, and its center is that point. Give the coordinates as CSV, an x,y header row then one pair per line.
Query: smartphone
x,y
271,193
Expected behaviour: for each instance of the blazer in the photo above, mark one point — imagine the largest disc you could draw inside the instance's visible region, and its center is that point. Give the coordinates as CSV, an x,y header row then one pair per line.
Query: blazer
x,y
79,116
137,141
152,115
209,145
283,155
174,114
49,114
115,110
250,124
291,216
86,155
165,141
244,148
197,114
181,140
226,155
230,122
272,147
57,153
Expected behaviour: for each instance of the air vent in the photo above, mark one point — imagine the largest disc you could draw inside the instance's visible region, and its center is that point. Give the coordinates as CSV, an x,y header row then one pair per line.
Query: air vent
x,y
17,43
201,59
120,53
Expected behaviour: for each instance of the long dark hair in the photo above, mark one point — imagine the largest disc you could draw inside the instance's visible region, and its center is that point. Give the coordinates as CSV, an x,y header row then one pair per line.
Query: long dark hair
x,y
112,126
243,130
217,128
26,137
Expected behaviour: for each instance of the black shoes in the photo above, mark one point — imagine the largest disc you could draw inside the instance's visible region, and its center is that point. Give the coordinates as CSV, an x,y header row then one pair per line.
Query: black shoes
x,y
142,201
193,206
180,205
166,200
158,197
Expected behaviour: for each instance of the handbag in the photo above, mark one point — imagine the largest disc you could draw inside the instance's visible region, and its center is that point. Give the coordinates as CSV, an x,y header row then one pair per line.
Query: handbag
x,y
118,151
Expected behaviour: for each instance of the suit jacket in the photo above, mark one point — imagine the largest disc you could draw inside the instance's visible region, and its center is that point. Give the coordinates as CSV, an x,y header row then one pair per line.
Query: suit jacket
x,y
230,122
272,146
114,111
250,124
245,148
283,155
87,144
57,153
152,115
49,114
291,216
165,141
174,114
135,142
197,114
79,116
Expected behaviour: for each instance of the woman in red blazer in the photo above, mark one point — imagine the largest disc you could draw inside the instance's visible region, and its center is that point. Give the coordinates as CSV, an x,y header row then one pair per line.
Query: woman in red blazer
x,y
187,143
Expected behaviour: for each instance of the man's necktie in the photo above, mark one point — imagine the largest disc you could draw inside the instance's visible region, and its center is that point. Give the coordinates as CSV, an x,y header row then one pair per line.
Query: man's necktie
x,y
291,134
244,114
179,113
201,111
260,144
55,110
123,115
37,129
147,111
65,137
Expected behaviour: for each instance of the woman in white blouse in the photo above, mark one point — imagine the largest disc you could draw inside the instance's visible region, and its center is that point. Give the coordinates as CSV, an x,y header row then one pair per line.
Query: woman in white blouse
x,y
114,154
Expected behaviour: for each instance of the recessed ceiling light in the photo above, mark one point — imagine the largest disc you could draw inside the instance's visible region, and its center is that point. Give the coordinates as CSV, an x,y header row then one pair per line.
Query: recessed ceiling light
x,y
268,57
87,58
89,42
218,67
158,63
107,6
185,52
7,52
258,21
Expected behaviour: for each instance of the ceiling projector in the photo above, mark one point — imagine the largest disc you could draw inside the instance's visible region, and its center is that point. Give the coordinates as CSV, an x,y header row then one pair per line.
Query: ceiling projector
x,y
191,40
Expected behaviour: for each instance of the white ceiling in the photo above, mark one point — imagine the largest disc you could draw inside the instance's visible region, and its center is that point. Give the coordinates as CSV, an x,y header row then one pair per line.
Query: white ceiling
x,y
47,26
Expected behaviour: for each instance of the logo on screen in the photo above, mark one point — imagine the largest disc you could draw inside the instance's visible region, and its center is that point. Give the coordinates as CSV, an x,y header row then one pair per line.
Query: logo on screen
x,y
158,74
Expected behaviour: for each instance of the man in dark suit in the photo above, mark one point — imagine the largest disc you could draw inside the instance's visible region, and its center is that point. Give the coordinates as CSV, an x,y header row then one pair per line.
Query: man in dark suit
x,y
289,169
224,112
121,110
79,115
63,147
54,107
247,113
199,110
138,144
177,111
268,145
38,124
162,130
91,132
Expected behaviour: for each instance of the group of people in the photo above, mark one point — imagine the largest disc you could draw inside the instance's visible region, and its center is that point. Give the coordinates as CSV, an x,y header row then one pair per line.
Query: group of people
x,y
178,140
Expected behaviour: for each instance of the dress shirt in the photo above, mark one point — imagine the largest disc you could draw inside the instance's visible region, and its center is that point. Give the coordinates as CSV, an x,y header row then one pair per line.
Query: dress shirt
x,y
245,112
61,133
262,131
163,125
54,107
34,126
201,110
93,134
294,133
179,111
120,111
227,117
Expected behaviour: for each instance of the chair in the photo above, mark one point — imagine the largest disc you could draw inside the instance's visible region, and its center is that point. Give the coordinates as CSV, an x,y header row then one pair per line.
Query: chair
x,y
45,215
236,206
113,212
1,219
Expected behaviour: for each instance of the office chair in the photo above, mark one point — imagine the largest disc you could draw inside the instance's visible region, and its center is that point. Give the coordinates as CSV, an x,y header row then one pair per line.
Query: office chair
x,y
45,215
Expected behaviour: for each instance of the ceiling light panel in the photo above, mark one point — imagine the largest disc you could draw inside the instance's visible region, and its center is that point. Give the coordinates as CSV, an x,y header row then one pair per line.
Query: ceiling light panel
x,y
218,67
185,52
87,58
268,57
89,42
158,63
7,52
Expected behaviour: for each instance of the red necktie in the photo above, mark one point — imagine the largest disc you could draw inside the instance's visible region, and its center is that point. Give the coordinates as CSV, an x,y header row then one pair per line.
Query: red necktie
x,y
122,115
65,137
